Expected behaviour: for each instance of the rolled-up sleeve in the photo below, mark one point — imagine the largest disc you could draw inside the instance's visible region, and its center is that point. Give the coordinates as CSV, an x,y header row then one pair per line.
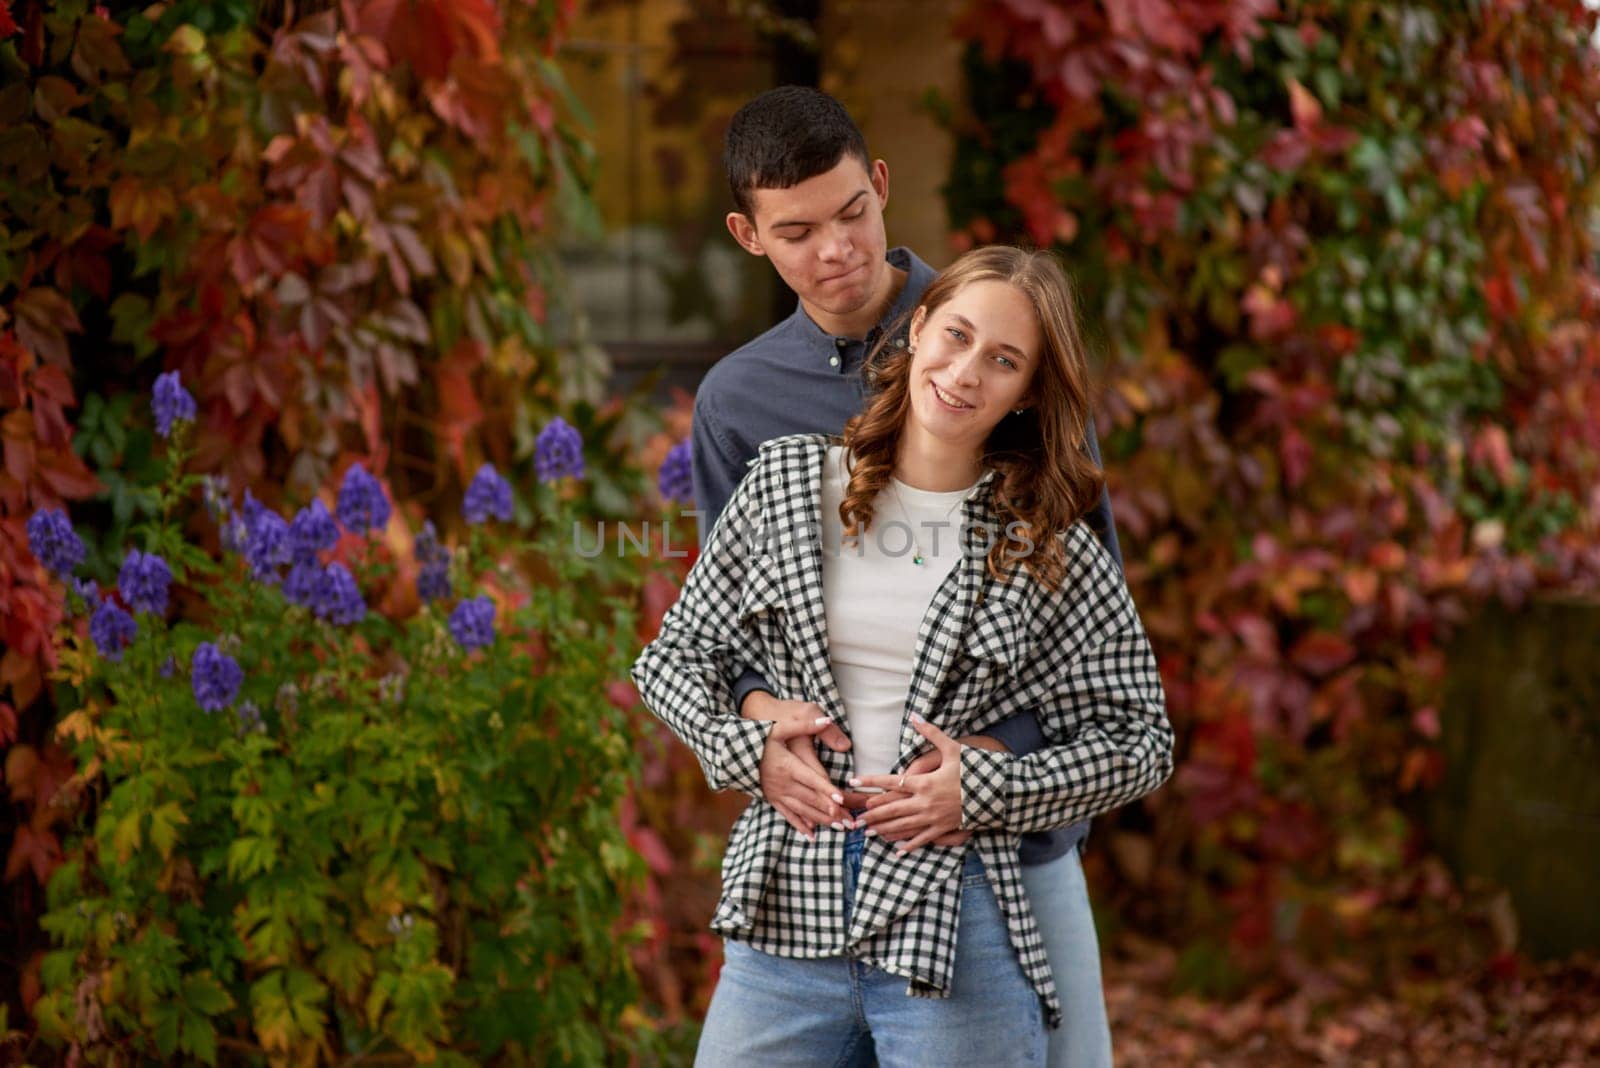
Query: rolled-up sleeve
x,y
1102,711
683,675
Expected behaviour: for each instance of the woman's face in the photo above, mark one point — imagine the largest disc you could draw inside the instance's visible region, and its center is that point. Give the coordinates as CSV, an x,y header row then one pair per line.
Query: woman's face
x,y
975,359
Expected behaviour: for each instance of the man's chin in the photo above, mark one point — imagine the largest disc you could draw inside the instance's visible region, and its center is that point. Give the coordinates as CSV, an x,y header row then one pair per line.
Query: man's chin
x,y
845,301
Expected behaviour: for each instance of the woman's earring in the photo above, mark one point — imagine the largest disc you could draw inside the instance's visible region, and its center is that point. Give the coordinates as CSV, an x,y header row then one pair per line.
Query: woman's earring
x,y
912,348
1018,411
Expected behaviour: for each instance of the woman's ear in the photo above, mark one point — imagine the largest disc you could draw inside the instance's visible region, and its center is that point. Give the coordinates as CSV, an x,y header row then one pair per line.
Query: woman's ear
x,y
918,318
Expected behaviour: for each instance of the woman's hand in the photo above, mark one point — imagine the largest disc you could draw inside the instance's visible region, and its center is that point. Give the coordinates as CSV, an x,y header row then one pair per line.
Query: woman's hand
x,y
792,778
919,807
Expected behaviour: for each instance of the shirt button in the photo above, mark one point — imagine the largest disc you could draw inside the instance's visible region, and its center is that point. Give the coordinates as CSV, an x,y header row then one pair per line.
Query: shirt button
x,y
899,342
841,341
833,361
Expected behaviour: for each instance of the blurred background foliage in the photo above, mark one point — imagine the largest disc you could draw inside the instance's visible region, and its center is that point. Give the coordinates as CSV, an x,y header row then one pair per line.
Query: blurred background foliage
x,y
1341,260
1337,256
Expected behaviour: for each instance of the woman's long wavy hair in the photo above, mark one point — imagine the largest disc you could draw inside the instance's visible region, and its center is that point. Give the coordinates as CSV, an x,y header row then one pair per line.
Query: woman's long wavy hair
x,y
1044,479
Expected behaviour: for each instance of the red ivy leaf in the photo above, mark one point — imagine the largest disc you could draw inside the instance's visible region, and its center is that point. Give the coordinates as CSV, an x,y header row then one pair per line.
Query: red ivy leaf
x,y
22,764
429,34
1321,653
44,318
36,849
652,849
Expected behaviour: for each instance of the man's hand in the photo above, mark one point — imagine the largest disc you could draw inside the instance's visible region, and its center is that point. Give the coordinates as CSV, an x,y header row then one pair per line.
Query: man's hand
x,y
909,830
759,704
792,778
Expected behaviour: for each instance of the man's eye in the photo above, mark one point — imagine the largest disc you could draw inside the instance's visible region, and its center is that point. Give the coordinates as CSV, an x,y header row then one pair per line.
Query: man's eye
x,y
859,212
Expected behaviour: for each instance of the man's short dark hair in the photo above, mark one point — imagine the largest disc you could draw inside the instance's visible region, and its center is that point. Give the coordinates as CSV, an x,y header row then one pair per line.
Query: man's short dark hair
x,y
785,136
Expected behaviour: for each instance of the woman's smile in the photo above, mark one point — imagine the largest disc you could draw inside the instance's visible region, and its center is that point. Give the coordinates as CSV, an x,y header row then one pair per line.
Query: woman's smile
x,y
950,400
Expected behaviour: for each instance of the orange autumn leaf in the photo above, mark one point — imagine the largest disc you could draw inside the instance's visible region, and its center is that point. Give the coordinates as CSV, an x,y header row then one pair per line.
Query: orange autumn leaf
x,y
141,207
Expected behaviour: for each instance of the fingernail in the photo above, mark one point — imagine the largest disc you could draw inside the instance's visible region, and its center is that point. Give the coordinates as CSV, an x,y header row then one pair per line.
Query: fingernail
x,y
821,720
855,782
838,799
870,833
838,826
916,717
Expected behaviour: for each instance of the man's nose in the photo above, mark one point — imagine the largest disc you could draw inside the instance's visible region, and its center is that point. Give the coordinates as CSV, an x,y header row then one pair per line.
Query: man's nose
x,y
837,244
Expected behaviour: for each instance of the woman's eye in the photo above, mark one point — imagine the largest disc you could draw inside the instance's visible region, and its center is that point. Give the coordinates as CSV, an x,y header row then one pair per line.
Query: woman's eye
x,y
953,332
1006,360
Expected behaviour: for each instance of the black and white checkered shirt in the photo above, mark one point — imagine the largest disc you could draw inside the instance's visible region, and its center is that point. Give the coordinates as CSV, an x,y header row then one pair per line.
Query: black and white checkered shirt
x,y
1078,658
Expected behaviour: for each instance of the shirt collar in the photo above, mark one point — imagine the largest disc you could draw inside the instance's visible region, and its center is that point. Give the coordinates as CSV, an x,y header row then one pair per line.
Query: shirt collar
x,y
828,347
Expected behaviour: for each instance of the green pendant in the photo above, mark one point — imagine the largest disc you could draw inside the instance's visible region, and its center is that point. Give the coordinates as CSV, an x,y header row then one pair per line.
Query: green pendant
x,y
917,559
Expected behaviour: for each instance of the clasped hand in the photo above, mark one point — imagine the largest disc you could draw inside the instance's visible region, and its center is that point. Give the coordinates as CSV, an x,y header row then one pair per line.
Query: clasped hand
x,y
920,807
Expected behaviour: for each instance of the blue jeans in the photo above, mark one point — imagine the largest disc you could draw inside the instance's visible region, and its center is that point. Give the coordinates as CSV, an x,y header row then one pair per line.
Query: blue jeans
x,y
1060,901
833,1012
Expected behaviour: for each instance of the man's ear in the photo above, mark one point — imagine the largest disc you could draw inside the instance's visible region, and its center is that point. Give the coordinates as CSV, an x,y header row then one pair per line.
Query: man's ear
x,y
880,182
744,232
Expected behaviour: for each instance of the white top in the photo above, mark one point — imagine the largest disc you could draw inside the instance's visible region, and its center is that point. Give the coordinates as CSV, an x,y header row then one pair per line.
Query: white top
x,y
875,596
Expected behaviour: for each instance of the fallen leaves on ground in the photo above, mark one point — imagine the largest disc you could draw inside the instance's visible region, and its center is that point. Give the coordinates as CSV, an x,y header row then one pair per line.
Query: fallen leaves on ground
x,y
1538,1014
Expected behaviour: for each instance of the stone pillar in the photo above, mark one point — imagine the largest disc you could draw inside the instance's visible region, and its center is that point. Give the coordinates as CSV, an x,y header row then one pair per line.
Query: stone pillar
x,y
1520,803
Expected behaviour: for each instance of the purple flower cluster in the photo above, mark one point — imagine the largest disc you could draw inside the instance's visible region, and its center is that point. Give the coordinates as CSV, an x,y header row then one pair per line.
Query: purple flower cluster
x,y
302,584
53,541
676,478
362,505
433,578
234,528
558,452
143,582
311,531
250,721
215,677
338,598
214,492
489,494
171,403
472,623
330,592
112,630
266,541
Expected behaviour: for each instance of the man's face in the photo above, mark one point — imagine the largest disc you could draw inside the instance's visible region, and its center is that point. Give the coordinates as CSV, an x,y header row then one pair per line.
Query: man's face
x,y
825,235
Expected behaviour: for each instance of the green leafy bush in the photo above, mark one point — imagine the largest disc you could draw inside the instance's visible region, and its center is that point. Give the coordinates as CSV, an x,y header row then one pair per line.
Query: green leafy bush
x,y
368,835
335,218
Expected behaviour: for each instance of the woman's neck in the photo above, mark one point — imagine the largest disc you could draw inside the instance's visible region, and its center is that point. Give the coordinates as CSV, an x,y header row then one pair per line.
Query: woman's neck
x,y
929,464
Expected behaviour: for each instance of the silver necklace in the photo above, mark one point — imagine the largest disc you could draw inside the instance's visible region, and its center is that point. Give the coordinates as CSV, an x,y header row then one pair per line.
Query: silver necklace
x,y
919,559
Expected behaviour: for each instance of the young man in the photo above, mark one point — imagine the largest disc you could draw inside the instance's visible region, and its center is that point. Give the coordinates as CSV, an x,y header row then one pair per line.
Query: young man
x,y
810,199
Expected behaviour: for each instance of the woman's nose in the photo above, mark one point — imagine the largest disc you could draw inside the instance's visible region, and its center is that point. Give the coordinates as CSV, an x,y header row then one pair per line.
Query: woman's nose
x,y
964,368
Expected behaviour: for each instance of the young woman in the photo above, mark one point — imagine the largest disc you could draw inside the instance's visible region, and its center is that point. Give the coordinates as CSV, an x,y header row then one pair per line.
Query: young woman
x,y
920,580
